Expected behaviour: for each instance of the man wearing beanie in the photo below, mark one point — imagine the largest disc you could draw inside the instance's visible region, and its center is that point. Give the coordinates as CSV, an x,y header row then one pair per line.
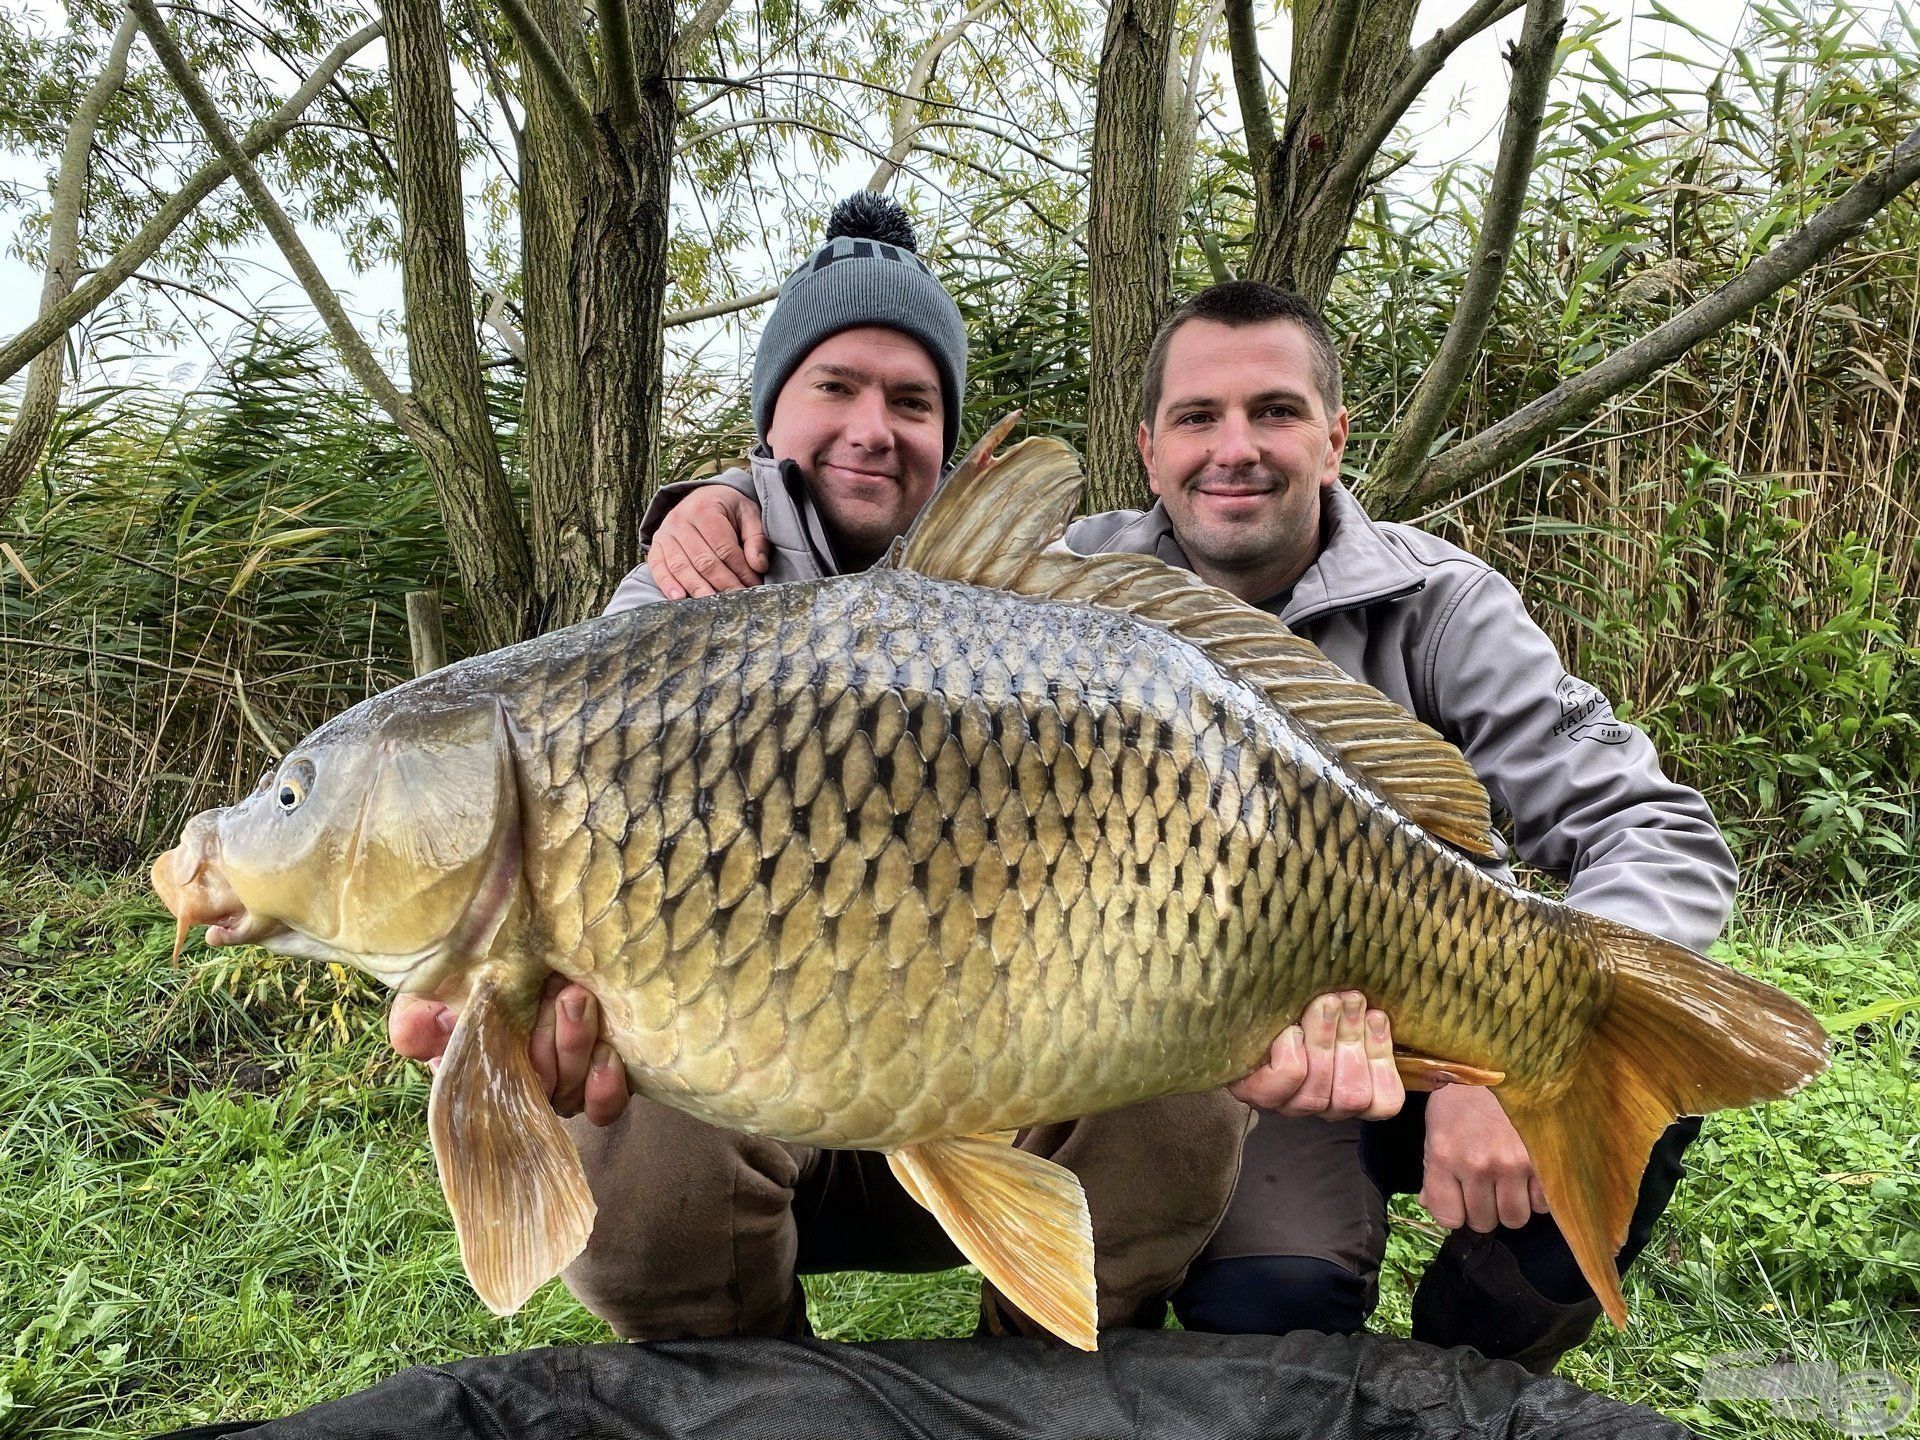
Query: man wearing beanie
x,y
856,399
702,1231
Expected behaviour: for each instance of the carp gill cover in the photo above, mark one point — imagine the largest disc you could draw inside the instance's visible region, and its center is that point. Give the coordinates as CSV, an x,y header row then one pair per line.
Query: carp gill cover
x,y
986,837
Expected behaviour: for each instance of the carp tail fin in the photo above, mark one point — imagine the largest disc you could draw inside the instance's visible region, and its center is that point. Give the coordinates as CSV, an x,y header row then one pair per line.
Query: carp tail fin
x,y
1022,1219
1682,1035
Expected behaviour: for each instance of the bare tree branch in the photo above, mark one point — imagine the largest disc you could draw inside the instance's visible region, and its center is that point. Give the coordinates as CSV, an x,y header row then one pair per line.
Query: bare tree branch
x,y
88,295
1422,65
1256,116
550,71
1831,227
494,318
759,77
906,113
620,77
1426,409
1054,161
161,282
696,32
1343,22
1180,109
696,313
354,351
27,438
756,122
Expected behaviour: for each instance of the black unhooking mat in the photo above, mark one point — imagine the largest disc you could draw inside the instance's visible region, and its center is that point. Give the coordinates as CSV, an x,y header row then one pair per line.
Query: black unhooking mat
x,y
1144,1384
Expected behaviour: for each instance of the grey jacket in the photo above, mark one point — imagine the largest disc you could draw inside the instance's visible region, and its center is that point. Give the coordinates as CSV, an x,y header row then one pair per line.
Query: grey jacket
x,y
1447,636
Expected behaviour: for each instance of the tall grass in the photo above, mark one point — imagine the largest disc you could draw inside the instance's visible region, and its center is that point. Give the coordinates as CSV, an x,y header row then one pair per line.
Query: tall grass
x,y
200,579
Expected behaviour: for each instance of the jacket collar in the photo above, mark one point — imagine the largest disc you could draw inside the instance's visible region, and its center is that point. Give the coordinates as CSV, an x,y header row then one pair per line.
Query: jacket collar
x,y
1356,565
771,475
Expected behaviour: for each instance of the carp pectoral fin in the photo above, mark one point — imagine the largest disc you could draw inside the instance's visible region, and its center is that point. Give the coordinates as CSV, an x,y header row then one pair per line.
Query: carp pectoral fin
x,y
1425,1072
1023,1220
512,1178
1681,1035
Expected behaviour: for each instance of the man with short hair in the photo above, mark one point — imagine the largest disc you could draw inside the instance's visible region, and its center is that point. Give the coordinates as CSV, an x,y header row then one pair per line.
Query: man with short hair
x,y
702,1231
1242,435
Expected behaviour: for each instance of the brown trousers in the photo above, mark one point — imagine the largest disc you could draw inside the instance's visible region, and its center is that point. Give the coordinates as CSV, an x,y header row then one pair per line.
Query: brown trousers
x,y
702,1232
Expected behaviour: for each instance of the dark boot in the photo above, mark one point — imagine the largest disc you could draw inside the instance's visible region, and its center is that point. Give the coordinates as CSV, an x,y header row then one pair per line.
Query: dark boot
x,y
1474,1294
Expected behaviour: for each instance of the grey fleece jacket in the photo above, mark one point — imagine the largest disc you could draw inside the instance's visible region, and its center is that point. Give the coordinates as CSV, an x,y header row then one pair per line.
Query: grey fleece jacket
x,y
1446,636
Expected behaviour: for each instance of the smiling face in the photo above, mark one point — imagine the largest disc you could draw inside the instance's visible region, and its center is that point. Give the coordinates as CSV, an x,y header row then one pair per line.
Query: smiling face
x,y
863,419
1241,450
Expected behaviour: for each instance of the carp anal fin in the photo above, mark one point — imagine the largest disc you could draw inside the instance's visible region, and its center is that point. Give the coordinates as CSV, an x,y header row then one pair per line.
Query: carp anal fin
x,y
1022,1219
512,1178
1681,1035
1428,1072
995,526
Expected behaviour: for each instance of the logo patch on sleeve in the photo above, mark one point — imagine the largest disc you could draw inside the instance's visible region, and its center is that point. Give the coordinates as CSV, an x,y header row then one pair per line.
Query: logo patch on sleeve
x,y
1586,715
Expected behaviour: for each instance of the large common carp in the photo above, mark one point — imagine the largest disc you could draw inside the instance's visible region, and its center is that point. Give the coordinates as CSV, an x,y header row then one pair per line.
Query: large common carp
x,y
987,837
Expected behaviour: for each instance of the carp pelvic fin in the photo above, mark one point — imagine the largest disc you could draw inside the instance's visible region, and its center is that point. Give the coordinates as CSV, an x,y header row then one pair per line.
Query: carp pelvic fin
x,y
1023,1220
1681,1035
1427,1072
512,1178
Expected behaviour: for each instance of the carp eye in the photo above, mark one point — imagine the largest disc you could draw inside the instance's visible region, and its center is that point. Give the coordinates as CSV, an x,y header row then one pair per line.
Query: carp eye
x,y
293,787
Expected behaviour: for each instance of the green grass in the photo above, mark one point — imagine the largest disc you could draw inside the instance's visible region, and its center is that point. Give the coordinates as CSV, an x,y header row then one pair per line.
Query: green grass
x,y
216,1200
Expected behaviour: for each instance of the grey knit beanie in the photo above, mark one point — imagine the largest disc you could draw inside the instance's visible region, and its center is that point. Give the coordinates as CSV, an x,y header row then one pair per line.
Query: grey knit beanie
x,y
867,273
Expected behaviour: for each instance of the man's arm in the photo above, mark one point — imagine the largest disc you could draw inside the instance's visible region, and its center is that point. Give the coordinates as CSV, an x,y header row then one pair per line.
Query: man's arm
x,y
1586,792
1589,802
701,536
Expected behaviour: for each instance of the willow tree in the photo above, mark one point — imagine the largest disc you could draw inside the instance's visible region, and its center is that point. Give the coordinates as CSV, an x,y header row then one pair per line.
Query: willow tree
x,y
1355,70
589,115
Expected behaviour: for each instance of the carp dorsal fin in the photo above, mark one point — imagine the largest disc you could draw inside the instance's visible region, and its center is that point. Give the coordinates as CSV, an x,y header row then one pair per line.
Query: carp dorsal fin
x,y
1021,1218
985,510
990,527
1408,762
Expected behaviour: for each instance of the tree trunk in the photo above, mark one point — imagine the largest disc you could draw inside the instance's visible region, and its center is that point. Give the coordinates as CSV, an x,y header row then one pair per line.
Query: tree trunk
x,y
443,355
594,247
40,402
1348,57
1128,253
553,183
619,277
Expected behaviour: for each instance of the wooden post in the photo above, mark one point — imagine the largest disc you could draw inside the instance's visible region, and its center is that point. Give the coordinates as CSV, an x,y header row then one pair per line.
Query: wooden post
x,y
425,631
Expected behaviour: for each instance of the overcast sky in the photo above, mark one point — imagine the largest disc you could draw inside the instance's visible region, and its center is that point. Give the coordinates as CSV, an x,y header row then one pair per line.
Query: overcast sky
x,y
1459,116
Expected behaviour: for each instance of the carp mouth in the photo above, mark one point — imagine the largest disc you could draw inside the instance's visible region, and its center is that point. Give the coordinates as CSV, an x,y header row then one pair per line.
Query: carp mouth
x,y
189,881
192,883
